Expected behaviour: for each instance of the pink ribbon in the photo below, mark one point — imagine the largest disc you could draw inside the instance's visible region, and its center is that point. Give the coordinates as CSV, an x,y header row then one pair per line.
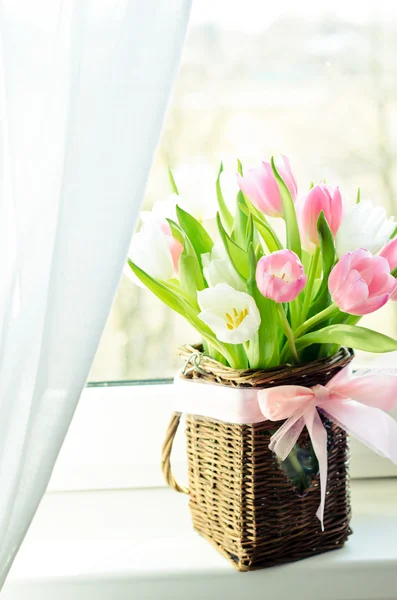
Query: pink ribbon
x,y
355,404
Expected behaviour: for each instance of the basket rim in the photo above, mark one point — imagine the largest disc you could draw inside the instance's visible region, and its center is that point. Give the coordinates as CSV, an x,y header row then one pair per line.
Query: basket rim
x,y
200,367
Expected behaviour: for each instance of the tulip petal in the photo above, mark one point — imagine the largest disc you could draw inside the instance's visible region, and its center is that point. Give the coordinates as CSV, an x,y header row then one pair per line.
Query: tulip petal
x,y
370,305
353,291
390,253
364,226
339,273
176,250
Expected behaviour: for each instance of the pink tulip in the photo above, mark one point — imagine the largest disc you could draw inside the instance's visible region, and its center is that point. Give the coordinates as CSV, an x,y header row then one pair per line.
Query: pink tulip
x,y
260,186
389,252
360,283
320,198
175,247
280,276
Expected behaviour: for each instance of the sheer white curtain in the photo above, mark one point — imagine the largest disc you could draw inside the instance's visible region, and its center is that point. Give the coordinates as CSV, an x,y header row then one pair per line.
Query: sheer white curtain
x,y
83,90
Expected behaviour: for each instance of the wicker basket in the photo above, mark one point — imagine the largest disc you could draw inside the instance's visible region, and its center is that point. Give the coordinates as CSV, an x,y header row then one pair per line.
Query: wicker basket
x,y
240,499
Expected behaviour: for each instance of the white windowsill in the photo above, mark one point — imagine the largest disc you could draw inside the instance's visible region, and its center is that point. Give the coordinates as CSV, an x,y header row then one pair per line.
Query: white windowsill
x,y
129,457
119,545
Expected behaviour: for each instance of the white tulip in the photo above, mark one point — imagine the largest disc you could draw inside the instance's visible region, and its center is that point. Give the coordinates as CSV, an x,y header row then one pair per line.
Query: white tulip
x,y
150,251
232,315
364,226
217,268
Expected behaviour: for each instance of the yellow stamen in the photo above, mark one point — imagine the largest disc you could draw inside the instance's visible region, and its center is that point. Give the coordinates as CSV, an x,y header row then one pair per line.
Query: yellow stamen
x,y
232,322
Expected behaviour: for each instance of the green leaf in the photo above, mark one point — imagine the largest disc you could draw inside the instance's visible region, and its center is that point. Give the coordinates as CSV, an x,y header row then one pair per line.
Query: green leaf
x,y
393,235
394,272
183,306
291,222
237,255
352,336
249,233
328,256
199,238
190,273
240,223
173,186
358,199
192,280
223,209
164,292
264,228
239,167
258,251
263,349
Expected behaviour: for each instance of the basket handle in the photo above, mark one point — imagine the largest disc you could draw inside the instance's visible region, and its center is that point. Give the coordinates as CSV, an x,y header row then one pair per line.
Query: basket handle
x,y
166,454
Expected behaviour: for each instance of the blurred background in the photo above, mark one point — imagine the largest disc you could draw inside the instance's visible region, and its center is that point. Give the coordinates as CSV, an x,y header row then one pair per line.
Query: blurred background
x,y
318,84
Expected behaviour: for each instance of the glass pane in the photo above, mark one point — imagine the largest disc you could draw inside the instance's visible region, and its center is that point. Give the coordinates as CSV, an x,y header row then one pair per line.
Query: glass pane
x,y
316,81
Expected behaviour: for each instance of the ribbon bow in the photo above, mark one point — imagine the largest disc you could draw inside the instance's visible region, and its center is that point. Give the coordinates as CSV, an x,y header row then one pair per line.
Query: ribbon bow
x,y
355,404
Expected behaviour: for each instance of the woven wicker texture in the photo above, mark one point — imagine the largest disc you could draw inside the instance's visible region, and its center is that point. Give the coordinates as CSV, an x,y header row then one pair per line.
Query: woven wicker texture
x,y
240,499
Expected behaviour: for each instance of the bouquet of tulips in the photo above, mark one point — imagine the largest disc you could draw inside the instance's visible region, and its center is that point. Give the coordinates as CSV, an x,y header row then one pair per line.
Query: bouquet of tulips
x,y
259,302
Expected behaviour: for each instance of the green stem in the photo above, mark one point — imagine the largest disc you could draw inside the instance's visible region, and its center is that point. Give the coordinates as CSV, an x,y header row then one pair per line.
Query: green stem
x,y
285,326
293,459
228,351
310,283
214,353
321,316
294,308
241,360
284,354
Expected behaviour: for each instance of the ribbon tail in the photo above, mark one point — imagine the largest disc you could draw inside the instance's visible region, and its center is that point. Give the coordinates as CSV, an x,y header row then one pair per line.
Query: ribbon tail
x,y
318,436
286,436
371,426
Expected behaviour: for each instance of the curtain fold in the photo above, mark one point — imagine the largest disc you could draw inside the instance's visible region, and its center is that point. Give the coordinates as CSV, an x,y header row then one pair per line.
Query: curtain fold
x,y
84,85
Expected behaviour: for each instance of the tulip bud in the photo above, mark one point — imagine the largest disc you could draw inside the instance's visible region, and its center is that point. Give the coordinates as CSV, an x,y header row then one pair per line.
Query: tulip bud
x,y
280,276
260,186
360,283
217,268
321,198
155,251
364,226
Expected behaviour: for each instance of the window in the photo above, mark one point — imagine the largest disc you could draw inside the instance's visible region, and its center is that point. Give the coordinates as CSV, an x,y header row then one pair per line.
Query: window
x,y
316,81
